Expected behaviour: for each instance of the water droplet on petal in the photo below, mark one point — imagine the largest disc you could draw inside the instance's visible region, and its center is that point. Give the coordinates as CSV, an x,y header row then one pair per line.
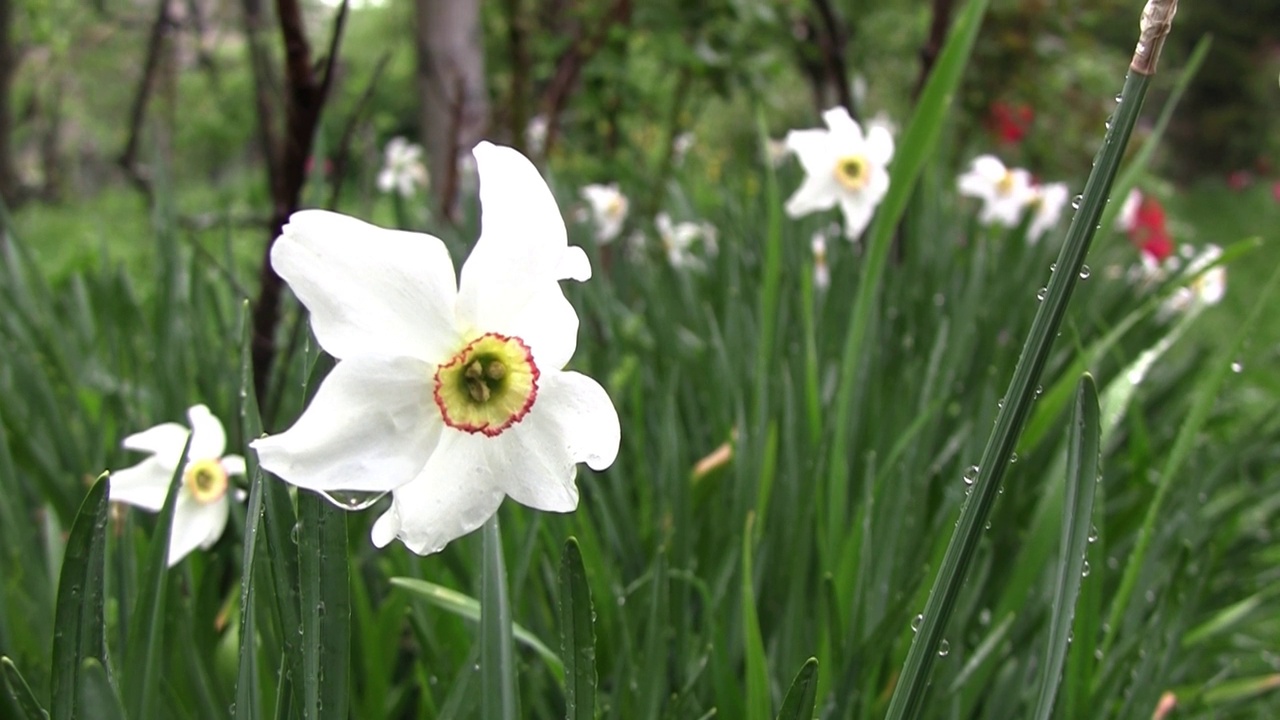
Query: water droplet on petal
x,y
352,500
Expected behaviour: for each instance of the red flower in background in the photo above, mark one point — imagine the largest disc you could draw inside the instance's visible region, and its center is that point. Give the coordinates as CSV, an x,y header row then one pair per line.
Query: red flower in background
x,y
1149,232
1009,123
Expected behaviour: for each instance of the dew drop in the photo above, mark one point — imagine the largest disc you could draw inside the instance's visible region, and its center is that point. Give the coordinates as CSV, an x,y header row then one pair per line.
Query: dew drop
x,y
1085,272
1039,390
915,622
1093,533
1108,123
1042,294
1119,97
1013,457
352,500
1053,267
987,526
1000,404
1084,569
970,474
944,648
1237,367
293,534
1075,202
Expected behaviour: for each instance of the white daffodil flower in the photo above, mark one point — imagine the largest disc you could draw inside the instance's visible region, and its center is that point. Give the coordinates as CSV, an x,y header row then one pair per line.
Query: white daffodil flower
x,y
449,393
1004,192
402,169
678,240
200,515
1047,205
535,134
843,167
821,272
1207,286
1129,210
608,210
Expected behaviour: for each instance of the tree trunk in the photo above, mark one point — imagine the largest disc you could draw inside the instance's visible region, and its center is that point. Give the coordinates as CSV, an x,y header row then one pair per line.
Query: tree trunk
x,y
8,63
451,83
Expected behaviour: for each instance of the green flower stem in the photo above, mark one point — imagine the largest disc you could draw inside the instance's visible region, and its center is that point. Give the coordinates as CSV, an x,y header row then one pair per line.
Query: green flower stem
x,y
909,694
497,646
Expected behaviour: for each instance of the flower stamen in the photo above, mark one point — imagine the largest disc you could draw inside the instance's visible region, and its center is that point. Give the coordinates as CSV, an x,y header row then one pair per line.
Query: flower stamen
x,y
488,386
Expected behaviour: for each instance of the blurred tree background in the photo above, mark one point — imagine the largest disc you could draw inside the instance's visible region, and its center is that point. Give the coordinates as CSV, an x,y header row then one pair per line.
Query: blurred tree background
x,y
100,95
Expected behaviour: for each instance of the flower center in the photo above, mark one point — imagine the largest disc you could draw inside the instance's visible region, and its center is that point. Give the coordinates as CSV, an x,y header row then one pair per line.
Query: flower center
x,y
1004,185
853,172
488,386
616,207
207,481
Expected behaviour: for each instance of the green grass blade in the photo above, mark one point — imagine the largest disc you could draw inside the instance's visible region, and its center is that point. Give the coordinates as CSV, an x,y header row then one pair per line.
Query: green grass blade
x,y
248,702
469,609
20,692
498,696
1082,481
803,695
325,593
96,692
577,636
146,624
758,703
915,148
1206,395
78,623
909,694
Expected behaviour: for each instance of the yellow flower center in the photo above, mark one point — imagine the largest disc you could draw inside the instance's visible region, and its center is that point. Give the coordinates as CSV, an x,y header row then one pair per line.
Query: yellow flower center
x,y
488,386
1004,185
853,172
616,206
206,480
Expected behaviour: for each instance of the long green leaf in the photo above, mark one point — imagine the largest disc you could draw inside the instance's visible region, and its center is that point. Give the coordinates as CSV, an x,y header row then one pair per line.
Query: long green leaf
x,y
78,620
248,703
95,692
803,695
20,692
498,697
469,609
1082,481
325,592
146,625
757,670
577,635
909,694
915,148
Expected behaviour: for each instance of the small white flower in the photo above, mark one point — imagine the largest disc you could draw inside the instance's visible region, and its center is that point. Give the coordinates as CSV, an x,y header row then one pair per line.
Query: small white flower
x,y
682,145
1129,211
448,392
1004,192
678,240
1047,204
776,152
821,273
535,134
200,513
402,168
843,167
1207,287
608,210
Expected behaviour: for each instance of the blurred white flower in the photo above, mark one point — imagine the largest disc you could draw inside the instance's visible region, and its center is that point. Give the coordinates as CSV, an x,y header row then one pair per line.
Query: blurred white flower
x,y
1004,192
449,393
1047,205
843,167
200,512
821,273
1207,287
535,134
402,169
608,210
682,145
678,241
1129,211
776,151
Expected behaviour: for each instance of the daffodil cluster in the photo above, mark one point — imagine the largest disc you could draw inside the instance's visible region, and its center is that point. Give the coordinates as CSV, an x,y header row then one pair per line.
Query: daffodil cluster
x,y
1008,194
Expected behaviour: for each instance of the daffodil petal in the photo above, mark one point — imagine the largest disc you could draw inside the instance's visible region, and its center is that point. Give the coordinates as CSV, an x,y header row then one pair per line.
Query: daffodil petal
x,y
370,291
817,192
879,149
165,440
845,131
584,416
522,239
371,427
233,465
144,485
195,524
208,439
857,215
574,265
813,149
548,324
452,496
